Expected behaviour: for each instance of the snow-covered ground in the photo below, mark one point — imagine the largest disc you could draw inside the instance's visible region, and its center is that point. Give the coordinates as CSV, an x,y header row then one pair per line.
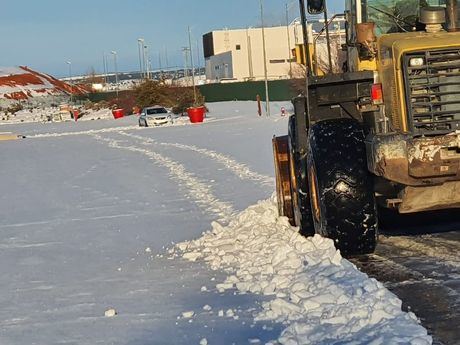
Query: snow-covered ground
x,y
52,114
115,234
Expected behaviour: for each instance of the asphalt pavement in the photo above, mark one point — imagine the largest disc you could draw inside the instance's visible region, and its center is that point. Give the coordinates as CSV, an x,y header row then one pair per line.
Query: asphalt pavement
x,y
417,258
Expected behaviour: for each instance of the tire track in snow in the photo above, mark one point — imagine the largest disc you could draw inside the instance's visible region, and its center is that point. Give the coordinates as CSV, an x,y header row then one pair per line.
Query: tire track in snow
x,y
121,128
239,169
88,132
195,189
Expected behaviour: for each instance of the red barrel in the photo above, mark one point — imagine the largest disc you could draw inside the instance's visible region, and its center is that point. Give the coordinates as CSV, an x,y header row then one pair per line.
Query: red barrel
x,y
118,113
196,114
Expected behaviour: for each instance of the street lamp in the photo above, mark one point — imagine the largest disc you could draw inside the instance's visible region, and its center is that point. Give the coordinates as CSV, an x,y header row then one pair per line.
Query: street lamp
x,y
267,100
146,60
114,53
185,51
70,78
105,66
166,56
191,62
289,38
140,46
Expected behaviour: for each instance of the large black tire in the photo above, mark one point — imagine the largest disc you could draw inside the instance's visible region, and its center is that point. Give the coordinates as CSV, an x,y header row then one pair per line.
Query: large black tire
x,y
299,185
341,187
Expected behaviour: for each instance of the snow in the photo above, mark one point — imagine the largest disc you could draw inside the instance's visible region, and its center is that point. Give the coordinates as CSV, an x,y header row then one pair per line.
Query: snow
x,y
7,71
22,83
317,294
162,229
110,312
188,314
52,114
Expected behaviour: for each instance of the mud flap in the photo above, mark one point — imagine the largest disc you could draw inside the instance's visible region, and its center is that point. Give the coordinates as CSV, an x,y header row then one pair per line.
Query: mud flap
x,y
283,178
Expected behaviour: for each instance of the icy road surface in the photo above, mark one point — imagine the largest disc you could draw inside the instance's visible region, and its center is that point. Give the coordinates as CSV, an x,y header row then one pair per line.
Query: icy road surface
x,y
418,258
89,213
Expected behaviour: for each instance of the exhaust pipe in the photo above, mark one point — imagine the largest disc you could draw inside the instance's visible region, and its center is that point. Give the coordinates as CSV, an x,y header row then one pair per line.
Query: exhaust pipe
x,y
452,15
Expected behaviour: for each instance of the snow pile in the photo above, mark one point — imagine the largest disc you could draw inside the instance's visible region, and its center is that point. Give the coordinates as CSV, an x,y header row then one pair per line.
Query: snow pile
x,y
52,114
317,294
89,115
27,116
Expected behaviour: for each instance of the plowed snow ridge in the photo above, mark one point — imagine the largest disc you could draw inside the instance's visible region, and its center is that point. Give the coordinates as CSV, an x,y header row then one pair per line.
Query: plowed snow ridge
x,y
194,188
180,122
319,296
239,169
88,132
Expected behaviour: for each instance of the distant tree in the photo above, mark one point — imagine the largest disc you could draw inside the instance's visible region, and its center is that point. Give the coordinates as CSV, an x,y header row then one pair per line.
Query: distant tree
x,y
151,93
185,99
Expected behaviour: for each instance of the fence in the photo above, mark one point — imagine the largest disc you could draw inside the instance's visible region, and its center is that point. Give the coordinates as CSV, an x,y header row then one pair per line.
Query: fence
x,y
279,90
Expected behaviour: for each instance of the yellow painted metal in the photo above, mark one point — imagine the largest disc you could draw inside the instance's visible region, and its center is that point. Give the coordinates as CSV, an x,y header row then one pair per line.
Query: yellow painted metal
x,y
299,54
8,136
391,48
283,177
300,57
367,65
314,195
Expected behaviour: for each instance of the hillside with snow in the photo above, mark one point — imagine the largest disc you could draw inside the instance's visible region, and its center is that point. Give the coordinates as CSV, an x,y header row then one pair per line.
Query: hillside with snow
x,y
23,83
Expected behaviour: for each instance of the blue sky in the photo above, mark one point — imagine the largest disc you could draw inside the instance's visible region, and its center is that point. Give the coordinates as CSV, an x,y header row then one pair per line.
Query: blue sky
x,y
44,34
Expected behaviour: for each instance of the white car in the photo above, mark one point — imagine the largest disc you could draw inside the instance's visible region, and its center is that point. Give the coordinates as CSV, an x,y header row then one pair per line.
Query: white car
x,y
155,116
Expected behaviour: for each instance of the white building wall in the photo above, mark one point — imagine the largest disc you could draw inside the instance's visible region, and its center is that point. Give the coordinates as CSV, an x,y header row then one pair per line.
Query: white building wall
x,y
246,50
220,66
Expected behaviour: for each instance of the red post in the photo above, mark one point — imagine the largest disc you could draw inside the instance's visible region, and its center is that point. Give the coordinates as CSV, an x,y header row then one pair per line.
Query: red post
x,y
75,114
259,106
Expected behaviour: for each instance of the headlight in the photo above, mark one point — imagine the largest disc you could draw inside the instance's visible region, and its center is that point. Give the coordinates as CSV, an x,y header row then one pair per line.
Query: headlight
x,y
416,62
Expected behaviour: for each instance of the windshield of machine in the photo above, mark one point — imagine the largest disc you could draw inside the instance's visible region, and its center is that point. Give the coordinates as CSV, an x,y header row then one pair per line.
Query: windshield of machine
x,y
395,15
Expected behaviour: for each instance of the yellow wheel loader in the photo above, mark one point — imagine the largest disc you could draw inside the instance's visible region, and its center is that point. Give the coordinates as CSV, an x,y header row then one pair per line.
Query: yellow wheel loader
x,y
384,131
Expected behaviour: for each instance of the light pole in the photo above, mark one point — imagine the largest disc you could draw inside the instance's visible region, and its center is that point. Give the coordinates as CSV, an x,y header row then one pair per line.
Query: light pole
x,y
104,65
114,53
166,56
149,68
250,66
191,62
140,47
146,61
70,78
159,65
185,53
289,38
267,100
198,58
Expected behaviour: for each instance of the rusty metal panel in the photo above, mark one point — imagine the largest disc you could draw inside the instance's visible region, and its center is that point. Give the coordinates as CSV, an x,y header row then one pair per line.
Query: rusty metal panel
x,y
417,199
415,161
283,179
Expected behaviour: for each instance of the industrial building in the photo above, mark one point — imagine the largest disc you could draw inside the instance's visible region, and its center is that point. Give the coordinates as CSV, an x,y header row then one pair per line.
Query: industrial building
x,y
237,55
